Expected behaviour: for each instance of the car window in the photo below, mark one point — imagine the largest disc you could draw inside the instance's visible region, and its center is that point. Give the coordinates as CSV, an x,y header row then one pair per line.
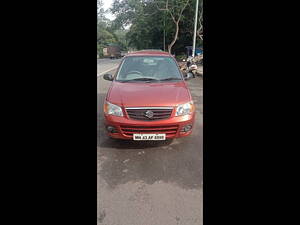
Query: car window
x,y
145,68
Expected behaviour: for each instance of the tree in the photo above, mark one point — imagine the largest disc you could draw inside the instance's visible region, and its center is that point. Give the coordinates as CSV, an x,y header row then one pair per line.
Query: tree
x,y
200,20
107,32
101,19
175,9
187,22
140,16
152,21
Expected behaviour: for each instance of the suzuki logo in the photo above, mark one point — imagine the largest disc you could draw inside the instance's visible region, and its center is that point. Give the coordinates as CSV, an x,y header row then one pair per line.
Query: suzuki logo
x,y
149,114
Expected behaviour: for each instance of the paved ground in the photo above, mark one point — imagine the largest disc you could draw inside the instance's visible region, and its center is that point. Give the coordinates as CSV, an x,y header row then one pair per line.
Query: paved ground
x,y
104,65
149,183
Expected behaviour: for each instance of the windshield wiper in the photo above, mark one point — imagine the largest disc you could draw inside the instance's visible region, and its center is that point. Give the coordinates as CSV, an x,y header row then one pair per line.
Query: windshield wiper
x,y
141,79
170,78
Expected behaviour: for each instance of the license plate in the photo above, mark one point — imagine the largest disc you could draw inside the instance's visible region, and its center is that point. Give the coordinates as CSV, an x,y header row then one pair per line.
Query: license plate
x,y
149,137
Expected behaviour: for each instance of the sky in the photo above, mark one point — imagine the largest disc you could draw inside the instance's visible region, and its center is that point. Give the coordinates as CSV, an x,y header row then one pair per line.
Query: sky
x,y
107,4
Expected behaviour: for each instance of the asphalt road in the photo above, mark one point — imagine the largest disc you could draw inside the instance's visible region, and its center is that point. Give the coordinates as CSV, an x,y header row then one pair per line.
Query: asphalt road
x,y
104,65
141,183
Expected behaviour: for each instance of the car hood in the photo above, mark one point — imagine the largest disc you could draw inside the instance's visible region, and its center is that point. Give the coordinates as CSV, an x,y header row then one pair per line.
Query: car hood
x,y
148,94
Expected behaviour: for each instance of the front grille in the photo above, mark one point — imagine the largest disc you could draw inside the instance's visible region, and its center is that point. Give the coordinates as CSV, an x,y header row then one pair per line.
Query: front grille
x,y
157,113
168,130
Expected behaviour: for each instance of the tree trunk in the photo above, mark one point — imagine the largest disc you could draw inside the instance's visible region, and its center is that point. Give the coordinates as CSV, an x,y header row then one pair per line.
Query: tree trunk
x,y
175,38
175,21
199,32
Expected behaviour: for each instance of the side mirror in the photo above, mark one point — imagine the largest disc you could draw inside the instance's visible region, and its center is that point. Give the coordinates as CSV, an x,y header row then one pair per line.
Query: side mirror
x,y
188,76
108,77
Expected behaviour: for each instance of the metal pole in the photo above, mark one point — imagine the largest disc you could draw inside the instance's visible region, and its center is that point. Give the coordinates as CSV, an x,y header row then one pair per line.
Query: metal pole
x,y
164,31
195,28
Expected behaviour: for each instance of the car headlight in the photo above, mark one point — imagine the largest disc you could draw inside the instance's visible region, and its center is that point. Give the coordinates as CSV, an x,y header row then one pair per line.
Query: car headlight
x,y
112,109
185,109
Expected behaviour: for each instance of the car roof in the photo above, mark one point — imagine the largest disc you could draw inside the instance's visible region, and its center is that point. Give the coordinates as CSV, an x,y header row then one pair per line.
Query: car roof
x,y
149,53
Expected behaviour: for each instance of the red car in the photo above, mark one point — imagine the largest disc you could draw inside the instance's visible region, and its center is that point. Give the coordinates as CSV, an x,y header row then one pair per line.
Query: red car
x,y
148,99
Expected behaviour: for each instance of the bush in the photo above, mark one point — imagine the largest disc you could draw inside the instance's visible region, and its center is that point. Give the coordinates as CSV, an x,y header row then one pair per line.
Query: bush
x,y
100,50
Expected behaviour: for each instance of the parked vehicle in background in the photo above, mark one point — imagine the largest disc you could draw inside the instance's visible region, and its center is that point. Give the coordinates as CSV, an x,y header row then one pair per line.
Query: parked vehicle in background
x,y
112,52
191,67
148,99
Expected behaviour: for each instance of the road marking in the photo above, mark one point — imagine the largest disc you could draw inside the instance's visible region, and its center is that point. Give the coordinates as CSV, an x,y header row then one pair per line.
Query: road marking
x,y
99,74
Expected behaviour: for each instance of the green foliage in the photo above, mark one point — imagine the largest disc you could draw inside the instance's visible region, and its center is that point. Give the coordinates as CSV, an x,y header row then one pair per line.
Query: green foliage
x,y
148,23
100,50
107,31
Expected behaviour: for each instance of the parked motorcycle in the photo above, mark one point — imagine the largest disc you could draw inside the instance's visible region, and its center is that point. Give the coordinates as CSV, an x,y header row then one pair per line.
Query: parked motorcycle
x,y
191,67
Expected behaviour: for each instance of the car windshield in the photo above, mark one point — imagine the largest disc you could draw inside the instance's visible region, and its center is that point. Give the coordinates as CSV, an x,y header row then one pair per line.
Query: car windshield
x,y
149,69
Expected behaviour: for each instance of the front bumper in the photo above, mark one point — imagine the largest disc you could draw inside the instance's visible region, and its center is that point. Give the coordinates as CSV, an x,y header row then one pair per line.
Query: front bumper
x,y
172,127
